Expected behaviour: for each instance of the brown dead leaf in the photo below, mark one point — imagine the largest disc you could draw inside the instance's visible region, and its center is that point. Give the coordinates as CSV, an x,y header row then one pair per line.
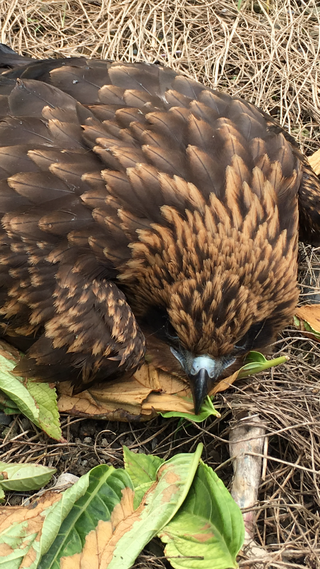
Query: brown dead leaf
x,y
140,397
310,313
32,517
147,392
224,384
314,162
100,543
103,399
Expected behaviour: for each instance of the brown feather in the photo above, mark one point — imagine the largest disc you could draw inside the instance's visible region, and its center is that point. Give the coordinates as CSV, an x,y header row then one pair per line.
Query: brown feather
x,y
134,200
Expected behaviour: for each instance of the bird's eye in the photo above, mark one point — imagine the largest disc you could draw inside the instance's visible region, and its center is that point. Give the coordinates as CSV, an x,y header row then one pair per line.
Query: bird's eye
x,y
248,341
171,332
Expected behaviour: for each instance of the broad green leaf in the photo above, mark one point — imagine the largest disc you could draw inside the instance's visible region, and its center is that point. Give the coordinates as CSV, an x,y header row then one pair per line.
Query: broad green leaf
x,y
16,391
59,511
162,501
103,493
208,530
24,477
45,398
42,520
41,409
142,469
207,410
7,406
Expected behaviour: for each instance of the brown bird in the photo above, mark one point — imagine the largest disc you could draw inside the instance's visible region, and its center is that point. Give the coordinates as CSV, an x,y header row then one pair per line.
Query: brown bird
x,y
143,212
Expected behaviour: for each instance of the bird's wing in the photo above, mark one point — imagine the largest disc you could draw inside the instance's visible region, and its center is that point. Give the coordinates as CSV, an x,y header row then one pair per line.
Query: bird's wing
x,y
90,333
309,189
45,228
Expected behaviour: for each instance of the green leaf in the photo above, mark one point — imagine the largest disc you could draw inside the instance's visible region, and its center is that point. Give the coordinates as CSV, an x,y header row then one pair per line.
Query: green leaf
x,y
186,504
45,398
142,469
16,391
102,494
161,503
208,530
24,539
24,477
36,409
207,410
256,362
7,406
59,511
255,357
296,321
15,538
309,328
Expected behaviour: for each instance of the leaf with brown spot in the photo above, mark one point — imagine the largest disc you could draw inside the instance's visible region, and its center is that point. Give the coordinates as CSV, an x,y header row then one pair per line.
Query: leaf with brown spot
x,y
104,531
208,531
95,522
21,531
100,542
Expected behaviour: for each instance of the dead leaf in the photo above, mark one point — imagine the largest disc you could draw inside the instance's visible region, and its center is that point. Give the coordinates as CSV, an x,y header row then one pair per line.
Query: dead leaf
x,y
314,162
225,383
147,392
310,313
136,398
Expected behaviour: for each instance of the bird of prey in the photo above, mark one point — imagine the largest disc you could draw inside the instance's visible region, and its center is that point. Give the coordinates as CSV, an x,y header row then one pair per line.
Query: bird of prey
x,y
143,215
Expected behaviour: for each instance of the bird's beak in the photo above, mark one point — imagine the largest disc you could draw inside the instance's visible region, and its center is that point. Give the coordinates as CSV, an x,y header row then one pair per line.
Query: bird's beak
x,y
203,371
200,386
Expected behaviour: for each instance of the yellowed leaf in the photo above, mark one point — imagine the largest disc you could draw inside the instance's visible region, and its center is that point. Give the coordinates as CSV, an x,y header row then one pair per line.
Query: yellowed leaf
x,y
314,162
310,313
121,397
147,392
167,402
225,383
100,543
32,517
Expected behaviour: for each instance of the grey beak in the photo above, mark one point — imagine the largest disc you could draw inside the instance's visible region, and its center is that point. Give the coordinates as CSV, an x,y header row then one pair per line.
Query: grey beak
x,y
202,371
200,384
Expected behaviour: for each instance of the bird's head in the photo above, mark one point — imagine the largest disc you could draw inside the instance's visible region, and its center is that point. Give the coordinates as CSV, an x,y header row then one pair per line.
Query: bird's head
x,y
212,323
227,284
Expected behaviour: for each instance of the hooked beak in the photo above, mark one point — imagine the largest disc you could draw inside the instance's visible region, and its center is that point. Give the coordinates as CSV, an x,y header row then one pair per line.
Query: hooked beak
x,y
200,386
203,371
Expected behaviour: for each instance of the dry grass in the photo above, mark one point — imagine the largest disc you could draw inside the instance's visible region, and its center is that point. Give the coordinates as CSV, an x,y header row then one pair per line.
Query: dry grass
x,y
268,53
